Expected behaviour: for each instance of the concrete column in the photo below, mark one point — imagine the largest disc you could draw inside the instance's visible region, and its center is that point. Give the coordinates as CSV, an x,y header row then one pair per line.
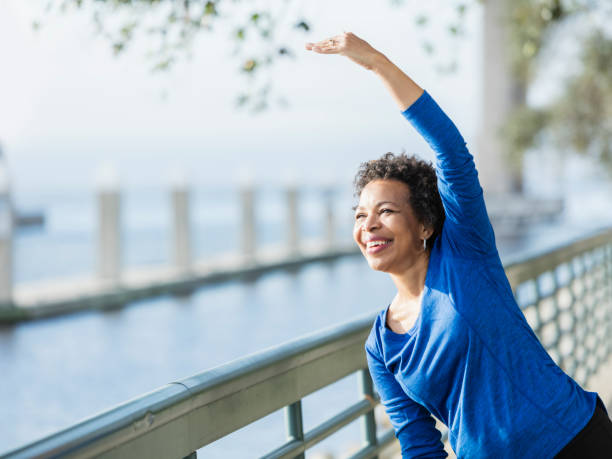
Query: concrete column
x,y
293,225
6,237
181,253
248,234
502,93
109,225
330,222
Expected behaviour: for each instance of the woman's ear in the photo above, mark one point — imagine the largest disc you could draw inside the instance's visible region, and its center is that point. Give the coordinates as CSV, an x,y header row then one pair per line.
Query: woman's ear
x,y
426,232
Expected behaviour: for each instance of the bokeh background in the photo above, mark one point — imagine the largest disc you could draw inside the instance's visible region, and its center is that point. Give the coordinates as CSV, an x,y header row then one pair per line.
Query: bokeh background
x,y
77,104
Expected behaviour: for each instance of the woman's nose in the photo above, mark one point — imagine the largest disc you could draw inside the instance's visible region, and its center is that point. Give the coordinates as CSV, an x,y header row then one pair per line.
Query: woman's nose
x,y
371,222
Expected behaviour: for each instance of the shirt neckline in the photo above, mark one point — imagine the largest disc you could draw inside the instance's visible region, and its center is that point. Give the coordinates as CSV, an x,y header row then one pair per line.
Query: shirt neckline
x,y
386,330
414,327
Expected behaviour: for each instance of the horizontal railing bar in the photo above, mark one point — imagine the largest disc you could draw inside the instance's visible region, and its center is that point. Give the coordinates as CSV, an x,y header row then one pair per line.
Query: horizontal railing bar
x,y
372,450
383,441
332,425
323,430
290,449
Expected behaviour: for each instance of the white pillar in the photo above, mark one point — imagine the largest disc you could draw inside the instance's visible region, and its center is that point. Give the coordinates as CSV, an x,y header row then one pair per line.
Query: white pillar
x,y
502,92
6,237
248,234
293,225
330,223
180,222
109,225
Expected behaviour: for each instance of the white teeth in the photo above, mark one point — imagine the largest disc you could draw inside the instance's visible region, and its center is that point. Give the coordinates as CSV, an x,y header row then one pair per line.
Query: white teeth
x,y
376,243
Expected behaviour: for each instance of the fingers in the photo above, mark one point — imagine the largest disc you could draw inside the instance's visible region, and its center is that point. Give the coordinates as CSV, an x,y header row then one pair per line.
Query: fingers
x,y
332,45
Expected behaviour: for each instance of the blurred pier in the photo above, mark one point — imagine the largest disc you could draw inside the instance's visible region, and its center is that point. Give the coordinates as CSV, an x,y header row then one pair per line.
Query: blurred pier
x,y
36,300
114,285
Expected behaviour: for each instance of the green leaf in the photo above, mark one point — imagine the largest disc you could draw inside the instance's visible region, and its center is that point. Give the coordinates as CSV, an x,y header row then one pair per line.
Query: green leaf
x,y
163,64
302,25
249,65
118,47
240,34
529,48
421,20
127,30
428,47
210,9
242,99
546,14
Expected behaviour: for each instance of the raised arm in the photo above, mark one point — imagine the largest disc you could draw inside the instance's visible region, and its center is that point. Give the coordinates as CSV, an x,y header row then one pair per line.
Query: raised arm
x,y
467,224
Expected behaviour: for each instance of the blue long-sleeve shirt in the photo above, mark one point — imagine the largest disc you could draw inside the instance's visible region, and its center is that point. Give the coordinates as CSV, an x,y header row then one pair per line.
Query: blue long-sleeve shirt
x,y
471,358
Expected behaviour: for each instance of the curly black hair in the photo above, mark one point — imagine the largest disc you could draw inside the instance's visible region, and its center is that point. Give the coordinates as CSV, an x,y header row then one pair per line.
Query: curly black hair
x,y
419,175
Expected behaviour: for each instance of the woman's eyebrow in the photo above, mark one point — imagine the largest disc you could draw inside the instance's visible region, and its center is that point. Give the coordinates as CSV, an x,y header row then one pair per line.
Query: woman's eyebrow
x,y
378,204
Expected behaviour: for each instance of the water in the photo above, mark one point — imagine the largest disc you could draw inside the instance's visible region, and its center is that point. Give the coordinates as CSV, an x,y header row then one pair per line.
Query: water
x,y
67,246
58,371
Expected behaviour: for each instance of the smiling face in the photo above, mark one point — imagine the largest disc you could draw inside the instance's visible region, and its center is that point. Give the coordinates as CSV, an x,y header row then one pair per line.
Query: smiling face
x,y
386,229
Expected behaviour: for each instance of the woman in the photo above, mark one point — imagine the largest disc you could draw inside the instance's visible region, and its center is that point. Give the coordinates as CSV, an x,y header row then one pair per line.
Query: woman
x,y
453,342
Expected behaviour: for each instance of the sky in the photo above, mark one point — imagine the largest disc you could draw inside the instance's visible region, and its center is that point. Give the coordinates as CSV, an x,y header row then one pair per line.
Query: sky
x,y
68,106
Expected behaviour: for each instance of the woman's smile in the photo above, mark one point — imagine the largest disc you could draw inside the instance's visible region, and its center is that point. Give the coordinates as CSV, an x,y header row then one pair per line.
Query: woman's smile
x,y
377,245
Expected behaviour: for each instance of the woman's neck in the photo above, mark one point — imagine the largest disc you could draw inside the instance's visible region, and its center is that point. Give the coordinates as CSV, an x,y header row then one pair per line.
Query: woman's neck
x,y
410,283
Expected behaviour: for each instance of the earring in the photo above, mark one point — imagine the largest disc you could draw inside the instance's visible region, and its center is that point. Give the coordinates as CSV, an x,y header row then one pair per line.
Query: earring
x,y
424,244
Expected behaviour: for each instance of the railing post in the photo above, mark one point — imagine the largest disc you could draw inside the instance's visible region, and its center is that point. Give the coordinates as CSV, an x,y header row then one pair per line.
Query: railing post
x,y
294,423
109,227
180,219
330,224
248,234
6,237
368,421
293,228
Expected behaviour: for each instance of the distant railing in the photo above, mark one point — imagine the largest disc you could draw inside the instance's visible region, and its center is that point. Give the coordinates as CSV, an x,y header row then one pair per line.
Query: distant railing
x,y
565,293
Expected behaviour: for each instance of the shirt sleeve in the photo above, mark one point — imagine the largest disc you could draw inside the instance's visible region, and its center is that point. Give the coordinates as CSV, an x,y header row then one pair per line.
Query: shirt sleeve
x,y
467,224
413,424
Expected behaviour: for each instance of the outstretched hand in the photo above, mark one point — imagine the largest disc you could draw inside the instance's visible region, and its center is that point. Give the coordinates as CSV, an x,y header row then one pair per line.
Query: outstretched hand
x,y
402,88
350,45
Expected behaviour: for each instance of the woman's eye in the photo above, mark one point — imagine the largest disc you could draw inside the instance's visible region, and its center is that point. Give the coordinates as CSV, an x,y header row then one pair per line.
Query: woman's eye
x,y
386,211
359,216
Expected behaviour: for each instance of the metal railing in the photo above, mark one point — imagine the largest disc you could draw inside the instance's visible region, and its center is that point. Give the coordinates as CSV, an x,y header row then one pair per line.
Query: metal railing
x,y
181,417
566,296
565,293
